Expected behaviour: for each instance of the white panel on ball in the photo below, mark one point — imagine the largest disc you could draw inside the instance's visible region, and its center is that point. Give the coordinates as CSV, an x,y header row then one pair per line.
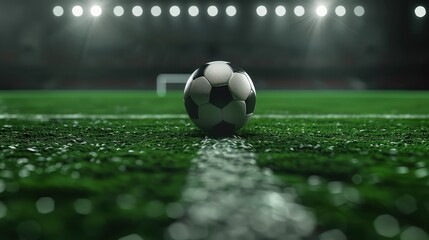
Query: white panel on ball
x,y
239,86
218,73
209,116
251,82
235,113
200,90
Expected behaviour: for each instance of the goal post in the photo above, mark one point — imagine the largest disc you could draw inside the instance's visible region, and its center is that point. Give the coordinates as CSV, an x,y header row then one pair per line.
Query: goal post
x,y
162,80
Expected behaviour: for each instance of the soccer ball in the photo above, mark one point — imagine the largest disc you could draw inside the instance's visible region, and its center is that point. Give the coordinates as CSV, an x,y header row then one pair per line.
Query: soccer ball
x,y
220,98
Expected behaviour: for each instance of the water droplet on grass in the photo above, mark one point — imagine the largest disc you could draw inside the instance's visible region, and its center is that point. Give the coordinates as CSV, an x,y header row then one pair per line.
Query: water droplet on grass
x,y
393,151
83,206
126,201
333,234
352,194
386,226
6,174
335,187
174,210
75,175
32,149
179,231
21,161
45,205
357,179
402,170
421,173
314,180
154,209
414,233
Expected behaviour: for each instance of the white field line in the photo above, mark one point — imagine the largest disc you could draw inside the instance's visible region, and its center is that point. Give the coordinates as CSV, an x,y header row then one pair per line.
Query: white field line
x,y
227,196
184,116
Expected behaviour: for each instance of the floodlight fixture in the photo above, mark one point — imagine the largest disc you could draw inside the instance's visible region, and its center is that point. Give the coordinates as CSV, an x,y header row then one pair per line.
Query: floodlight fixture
x,y
420,11
77,11
174,11
212,11
231,11
137,11
118,11
156,11
321,11
58,11
299,11
340,11
280,10
261,11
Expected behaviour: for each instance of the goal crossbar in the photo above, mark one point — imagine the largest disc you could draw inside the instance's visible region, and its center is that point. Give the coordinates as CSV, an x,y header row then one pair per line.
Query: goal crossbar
x,y
162,80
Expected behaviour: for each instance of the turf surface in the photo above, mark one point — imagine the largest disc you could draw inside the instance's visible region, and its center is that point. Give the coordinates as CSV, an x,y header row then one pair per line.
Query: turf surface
x,y
105,179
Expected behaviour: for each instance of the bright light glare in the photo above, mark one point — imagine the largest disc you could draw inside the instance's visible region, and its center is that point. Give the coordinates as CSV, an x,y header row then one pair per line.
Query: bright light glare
x,y
340,11
280,11
77,11
137,11
174,11
321,11
118,11
155,11
231,11
299,11
359,11
261,11
193,11
96,11
420,11
58,11
212,11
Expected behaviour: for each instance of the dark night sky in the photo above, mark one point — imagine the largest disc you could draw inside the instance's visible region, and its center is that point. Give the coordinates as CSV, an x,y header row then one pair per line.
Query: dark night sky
x,y
384,49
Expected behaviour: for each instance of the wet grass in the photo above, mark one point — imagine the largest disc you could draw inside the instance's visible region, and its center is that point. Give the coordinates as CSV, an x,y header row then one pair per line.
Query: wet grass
x,y
105,179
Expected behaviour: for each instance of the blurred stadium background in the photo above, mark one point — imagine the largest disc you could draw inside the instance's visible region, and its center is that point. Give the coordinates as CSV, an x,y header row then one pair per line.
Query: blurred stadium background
x,y
362,44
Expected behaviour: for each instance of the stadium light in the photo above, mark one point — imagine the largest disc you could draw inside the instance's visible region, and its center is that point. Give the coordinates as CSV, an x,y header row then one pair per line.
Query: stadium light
x,y
118,11
321,11
261,11
155,11
359,11
231,11
420,11
58,11
340,11
193,11
96,11
280,11
174,11
137,11
77,11
212,11
299,11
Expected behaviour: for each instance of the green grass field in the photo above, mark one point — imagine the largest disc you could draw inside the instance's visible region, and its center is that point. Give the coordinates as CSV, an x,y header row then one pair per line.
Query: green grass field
x,y
363,177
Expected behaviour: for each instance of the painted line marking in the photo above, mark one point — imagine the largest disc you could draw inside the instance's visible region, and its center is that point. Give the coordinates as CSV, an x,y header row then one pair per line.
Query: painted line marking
x,y
184,116
227,196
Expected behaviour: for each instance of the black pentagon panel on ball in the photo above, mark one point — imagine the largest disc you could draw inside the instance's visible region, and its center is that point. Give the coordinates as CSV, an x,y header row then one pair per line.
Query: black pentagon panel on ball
x,y
200,71
235,68
250,103
191,107
220,96
222,129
